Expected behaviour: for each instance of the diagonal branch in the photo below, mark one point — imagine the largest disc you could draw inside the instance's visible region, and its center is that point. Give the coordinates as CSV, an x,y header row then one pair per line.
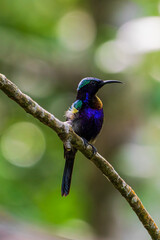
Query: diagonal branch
x,y
69,137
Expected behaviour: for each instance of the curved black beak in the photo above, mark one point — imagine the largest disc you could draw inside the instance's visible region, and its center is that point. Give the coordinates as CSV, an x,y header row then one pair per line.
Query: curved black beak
x,y
109,81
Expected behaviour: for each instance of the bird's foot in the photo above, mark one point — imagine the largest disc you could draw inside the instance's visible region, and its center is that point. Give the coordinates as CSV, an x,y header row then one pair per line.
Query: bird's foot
x,y
86,143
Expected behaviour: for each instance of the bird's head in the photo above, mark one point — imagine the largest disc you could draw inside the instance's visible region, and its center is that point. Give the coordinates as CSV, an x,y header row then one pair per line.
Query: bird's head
x,y
91,85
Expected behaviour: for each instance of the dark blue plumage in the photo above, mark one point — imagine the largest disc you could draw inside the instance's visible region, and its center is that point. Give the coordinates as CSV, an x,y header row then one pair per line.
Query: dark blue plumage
x,y
89,123
86,118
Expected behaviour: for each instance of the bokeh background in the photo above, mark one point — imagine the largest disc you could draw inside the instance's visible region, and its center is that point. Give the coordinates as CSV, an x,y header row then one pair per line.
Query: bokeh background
x,y
46,47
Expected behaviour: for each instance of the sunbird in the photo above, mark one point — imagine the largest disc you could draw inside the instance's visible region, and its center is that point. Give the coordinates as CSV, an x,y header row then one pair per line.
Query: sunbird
x,y
86,118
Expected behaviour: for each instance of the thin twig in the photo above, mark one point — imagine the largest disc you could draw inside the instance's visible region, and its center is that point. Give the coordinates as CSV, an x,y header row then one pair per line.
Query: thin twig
x,y
69,137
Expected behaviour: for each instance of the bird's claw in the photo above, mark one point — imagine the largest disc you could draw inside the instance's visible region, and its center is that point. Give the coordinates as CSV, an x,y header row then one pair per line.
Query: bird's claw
x,y
94,149
86,143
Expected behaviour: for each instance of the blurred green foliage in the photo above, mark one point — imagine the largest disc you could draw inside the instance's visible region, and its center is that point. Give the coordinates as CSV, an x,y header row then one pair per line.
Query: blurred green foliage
x,y
46,47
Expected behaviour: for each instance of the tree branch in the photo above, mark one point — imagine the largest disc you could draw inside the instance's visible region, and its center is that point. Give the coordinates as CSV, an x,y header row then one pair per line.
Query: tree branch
x,y
69,137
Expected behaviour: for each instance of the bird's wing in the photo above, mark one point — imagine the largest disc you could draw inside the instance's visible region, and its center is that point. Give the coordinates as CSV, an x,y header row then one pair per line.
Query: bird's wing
x,y
73,110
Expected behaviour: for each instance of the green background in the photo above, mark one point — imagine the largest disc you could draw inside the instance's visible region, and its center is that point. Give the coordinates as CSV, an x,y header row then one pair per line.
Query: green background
x,y
46,48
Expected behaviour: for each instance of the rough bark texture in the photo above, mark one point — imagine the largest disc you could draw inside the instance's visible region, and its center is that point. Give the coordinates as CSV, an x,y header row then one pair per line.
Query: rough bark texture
x,y
68,136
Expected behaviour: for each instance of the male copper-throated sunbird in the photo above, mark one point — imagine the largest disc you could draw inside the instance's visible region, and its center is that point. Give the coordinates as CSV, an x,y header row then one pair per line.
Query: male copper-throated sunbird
x,y
86,118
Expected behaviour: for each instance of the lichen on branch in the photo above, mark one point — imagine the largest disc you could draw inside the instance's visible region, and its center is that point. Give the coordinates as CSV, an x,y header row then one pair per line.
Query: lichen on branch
x,y
70,138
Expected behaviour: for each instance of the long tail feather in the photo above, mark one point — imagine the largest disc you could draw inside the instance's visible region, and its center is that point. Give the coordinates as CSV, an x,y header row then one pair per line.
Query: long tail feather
x,y
67,174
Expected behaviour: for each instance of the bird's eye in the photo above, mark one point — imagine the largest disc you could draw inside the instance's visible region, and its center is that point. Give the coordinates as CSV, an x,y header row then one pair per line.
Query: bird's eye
x,y
93,83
